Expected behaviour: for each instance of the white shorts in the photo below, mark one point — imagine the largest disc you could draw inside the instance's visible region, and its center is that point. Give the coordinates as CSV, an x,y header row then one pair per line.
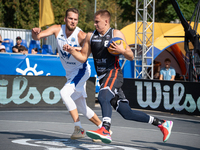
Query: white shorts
x,y
76,82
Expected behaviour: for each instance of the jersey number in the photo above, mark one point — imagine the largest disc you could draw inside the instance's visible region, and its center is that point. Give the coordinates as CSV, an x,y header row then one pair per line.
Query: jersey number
x,y
106,43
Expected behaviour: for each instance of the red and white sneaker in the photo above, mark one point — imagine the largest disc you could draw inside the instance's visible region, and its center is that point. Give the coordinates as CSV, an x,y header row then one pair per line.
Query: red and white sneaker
x,y
98,140
166,128
101,134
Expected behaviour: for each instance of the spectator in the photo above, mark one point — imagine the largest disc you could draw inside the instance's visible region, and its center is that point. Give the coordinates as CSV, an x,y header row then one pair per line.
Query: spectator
x,y
156,69
15,48
1,41
57,52
2,49
23,50
34,51
167,72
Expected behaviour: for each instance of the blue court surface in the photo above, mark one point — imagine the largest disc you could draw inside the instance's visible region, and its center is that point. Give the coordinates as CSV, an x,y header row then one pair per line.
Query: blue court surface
x,y
51,129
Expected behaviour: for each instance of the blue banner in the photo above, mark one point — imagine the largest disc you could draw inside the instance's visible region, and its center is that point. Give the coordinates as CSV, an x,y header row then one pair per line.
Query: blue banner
x,y
45,65
36,65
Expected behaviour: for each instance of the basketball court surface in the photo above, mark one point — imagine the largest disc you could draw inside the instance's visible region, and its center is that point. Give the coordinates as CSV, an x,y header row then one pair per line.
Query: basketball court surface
x,y
51,130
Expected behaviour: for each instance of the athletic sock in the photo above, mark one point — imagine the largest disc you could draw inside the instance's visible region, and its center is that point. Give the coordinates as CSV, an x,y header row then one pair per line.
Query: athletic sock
x,y
78,124
157,121
99,126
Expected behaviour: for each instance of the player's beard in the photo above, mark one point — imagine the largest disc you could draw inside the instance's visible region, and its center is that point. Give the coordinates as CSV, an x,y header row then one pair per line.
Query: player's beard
x,y
70,28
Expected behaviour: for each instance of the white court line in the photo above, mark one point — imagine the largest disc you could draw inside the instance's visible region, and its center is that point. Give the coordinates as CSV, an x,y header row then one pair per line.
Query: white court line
x,y
116,142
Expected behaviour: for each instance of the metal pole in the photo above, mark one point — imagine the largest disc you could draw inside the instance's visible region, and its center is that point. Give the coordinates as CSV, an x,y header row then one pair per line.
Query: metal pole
x,y
95,5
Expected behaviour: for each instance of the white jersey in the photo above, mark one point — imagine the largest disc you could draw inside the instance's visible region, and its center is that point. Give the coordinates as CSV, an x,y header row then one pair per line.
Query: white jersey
x,y
69,63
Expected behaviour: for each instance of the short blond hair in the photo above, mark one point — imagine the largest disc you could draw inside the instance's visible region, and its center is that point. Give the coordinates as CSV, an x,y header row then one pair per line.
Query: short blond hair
x,y
103,13
74,10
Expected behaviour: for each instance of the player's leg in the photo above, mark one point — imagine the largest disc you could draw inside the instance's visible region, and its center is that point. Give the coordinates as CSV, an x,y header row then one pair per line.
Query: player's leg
x,y
111,80
86,111
89,113
66,93
122,106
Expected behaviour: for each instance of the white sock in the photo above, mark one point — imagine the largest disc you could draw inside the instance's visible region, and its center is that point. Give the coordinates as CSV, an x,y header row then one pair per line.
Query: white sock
x,y
151,119
107,119
99,126
78,124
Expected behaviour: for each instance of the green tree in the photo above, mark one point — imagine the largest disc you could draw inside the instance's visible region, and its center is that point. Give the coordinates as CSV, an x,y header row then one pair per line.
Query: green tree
x,y
1,13
164,11
114,9
59,9
20,13
187,8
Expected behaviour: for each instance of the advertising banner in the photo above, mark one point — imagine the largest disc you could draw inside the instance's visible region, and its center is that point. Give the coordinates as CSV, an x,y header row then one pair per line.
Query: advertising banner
x,y
45,65
167,96
43,92
37,91
35,65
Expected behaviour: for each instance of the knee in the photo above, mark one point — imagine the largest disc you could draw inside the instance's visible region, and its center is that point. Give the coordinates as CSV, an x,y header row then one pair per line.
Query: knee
x,y
114,101
62,92
65,96
105,95
86,111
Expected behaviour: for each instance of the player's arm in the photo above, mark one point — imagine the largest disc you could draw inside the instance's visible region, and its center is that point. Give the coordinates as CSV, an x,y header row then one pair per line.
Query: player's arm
x,y
85,51
128,53
81,38
37,33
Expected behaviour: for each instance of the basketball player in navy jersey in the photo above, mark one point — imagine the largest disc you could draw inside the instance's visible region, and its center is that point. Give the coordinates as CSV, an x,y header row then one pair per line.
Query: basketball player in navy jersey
x,y
111,78
73,93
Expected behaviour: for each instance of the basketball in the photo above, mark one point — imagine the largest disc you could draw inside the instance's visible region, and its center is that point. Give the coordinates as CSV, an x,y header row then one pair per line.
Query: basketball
x,y
118,41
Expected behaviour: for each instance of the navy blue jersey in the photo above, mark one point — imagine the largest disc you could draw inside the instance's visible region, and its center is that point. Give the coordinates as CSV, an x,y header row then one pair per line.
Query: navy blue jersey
x,y
103,60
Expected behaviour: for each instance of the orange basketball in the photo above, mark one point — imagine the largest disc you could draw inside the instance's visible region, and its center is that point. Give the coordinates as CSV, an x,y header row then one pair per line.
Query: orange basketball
x,y
118,41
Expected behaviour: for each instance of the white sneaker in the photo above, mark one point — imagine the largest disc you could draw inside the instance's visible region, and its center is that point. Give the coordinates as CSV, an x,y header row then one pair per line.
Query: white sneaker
x,y
78,133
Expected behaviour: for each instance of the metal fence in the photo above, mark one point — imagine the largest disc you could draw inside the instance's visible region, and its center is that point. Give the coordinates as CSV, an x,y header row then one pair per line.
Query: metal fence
x,y
12,33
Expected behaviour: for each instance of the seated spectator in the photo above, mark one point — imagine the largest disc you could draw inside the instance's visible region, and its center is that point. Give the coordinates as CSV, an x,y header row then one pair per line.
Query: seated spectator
x,y
2,49
57,52
1,41
167,72
34,51
23,50
15,49
156,69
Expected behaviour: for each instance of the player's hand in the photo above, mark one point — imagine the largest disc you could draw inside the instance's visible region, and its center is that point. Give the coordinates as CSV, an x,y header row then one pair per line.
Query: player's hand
x,y
68,48
35,32
117,48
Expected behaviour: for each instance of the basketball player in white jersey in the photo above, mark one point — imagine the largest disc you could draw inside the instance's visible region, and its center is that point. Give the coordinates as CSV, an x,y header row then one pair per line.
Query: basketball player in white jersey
x,y
73,93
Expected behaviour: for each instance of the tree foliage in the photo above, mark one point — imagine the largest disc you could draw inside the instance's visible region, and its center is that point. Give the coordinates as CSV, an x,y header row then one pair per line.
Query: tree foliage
x,y
164,11
20,13
25,13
